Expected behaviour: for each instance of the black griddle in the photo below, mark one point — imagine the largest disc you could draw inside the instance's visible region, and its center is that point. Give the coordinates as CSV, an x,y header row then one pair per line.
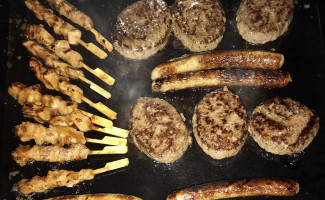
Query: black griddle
x,y
302,46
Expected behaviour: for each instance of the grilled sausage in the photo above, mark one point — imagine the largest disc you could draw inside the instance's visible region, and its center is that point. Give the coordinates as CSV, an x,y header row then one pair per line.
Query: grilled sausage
x,y
240,188
220,59
100,196
226,77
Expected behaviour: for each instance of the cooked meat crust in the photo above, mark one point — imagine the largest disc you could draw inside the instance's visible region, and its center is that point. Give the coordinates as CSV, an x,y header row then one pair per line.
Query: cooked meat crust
x,y
100,196
158,130
261,21
220,124
283,126
142,29
239,188
199,24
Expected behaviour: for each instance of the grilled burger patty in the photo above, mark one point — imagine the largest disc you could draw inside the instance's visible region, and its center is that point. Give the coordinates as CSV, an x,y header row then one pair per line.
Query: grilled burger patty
x,y
220,124
198,24
261,21
158,130
283,126
142,29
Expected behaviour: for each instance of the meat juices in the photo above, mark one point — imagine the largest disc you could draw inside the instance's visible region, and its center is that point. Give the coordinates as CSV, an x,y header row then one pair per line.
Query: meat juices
x,y
261,21
142,29
158,130
220,124
283,126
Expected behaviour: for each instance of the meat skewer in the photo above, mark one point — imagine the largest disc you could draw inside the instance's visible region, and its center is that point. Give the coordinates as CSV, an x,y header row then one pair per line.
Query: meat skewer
x,y
54,81
71,12
56,153
63,50
60,67
226,77
60,27
63,135
43,108
60,178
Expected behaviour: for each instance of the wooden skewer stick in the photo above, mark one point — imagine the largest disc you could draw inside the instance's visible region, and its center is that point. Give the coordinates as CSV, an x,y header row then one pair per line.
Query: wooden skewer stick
x,y
113,131
98,120
109,141
113,165
101,108
94,49
100,74
96,87
110,150
101,40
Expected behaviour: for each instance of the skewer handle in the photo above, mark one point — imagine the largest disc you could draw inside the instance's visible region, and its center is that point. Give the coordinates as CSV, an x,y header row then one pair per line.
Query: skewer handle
x,y
111,150
98,120
113,131
113,165
101,40
100,74
101,108
94,49
96,88
109,141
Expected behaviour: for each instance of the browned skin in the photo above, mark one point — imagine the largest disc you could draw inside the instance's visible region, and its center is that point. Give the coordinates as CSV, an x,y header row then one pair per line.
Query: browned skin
x,y
226,77
100,196
76,118
54,178
283,126
62,135
158,130
54,153
220,59
239,188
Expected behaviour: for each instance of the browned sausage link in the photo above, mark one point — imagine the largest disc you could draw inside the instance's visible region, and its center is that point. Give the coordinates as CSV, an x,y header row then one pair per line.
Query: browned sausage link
x,y
99,196
220,59
226,77
240,188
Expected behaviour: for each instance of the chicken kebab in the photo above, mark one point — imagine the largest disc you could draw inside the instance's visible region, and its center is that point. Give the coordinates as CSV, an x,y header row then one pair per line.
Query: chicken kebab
x,y
62,49
76,16
61,27
60,178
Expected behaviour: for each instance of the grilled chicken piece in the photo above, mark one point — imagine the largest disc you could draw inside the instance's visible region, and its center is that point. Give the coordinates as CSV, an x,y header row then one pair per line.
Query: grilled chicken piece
x,y
226,77
239,188
76,119
62,135
142,29
283,126
54,153
158,130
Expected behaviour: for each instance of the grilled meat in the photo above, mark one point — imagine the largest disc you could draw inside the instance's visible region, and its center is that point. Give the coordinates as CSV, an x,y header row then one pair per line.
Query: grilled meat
x,y
99,196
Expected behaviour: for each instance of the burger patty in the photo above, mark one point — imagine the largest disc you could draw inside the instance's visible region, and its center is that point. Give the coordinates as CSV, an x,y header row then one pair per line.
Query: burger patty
x,y
142,29
261,21
283,126
220,124
199,24
158,130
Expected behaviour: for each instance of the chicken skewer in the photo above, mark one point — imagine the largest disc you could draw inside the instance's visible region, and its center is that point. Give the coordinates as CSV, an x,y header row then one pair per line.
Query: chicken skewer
x,y
60,67
61,27
63,135
56,153
63,50
54,81
60,178
45,108
71,12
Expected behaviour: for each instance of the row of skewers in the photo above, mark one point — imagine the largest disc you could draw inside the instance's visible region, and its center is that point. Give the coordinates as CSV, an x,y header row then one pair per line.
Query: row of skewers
x,y
64,139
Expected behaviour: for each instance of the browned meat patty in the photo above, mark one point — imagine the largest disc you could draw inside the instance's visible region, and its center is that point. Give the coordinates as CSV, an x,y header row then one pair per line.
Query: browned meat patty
x,y
199,24
142,29
283,126
158,130
220,124
261,21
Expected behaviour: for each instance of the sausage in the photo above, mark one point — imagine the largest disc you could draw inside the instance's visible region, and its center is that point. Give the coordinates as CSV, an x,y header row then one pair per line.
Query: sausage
x,y
239,188
220,59
100,196
224,77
